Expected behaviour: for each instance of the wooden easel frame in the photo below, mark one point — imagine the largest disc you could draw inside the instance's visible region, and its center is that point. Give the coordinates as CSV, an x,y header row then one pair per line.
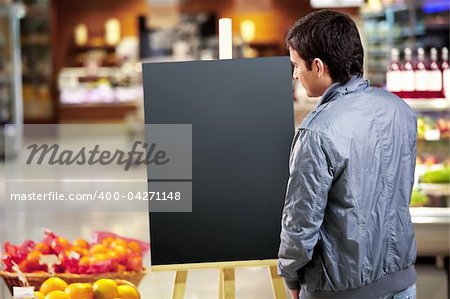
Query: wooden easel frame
x,y
227,288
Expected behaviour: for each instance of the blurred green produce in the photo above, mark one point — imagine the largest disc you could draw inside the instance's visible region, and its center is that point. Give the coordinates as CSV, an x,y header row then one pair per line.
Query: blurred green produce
x,y
440,176
418,199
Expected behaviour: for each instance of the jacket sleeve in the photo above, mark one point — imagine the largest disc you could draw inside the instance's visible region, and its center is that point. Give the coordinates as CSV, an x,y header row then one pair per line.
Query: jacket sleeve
x,y
311,175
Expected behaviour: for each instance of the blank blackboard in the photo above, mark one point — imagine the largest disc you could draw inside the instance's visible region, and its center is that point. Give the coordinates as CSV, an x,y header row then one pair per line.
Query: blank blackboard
x,y
241,113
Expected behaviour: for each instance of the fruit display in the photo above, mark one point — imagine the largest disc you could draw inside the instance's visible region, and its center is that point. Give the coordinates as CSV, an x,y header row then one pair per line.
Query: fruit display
x,y
443,125
418,199
426,124
56,288
428,161
439,176
107,253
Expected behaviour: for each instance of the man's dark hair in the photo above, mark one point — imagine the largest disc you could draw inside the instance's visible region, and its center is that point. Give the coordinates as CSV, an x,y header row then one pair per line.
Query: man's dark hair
x,y
331,36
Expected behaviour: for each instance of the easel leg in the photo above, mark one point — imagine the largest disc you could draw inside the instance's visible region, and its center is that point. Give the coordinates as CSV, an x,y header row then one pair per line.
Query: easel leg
x,y
278,289
226,284
179,286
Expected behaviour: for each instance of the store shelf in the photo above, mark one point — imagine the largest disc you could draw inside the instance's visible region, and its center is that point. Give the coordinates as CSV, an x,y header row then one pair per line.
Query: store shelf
x,y
437,27
440,140
91,47
410,32
373,15
376,40
378,68
430,215
429,104
398,7
435,189
37,11
98,112
35,39
35,43
397,25
377,53
431,227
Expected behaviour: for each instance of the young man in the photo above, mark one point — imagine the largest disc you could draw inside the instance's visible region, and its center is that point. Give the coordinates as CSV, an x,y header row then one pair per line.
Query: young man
x,y
346,227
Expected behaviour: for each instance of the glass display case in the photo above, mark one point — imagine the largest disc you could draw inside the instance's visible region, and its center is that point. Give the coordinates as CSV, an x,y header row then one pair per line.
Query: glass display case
x,y
10,77
430,202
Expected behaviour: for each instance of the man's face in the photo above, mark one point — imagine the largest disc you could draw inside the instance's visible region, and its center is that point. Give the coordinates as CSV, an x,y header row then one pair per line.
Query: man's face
x,y
308,78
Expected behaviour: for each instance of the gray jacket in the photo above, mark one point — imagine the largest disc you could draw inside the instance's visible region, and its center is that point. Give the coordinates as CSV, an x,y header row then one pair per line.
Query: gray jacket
x,y
346,223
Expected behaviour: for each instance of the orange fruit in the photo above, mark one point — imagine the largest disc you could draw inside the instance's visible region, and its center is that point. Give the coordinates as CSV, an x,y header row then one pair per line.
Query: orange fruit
x,y
111,254
34,255
60,244
98,257
38,295
98,248
82,243
84,261
80,291
57,295
33,260
64,254
105,289
134,263
128,292
122,252
80,250
42,248
53,284
107,241
135,247
24,266
119,242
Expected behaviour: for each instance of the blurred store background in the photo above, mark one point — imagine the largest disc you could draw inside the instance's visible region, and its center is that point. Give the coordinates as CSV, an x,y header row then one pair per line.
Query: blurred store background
x,y
79,61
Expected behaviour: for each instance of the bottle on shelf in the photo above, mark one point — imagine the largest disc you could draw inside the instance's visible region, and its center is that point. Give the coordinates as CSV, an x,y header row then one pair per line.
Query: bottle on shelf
x,y
434,78
393,74
445,68
407,71
420,72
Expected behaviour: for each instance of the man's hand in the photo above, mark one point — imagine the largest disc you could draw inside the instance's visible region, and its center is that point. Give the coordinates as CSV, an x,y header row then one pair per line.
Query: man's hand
x,y
295,294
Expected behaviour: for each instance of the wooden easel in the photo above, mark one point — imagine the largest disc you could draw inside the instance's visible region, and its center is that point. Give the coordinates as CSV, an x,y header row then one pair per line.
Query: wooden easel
x,y
226,276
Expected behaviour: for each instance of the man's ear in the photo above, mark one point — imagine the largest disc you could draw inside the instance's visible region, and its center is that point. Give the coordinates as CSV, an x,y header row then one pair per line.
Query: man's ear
x,y
319,67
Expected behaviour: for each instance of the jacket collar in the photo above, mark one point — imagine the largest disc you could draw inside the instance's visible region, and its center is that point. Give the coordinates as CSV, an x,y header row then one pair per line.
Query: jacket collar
x,y
337,89
333,92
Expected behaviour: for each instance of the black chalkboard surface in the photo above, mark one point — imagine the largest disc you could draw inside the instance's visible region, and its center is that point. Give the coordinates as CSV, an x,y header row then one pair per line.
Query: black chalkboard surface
x,y
241,113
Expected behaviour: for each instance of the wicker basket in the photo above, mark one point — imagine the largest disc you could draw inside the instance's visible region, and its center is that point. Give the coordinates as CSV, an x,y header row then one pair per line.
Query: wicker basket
x,y
36,279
